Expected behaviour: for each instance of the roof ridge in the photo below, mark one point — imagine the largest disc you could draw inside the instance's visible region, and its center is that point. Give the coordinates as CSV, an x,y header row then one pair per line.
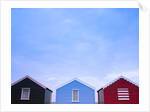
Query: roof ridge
x,y
27,76
130,81
74,80
118,79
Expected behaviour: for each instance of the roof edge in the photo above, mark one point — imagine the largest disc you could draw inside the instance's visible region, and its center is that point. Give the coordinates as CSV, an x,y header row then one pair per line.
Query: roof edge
x,y
100,89
118,79
30,79
49,89
74,80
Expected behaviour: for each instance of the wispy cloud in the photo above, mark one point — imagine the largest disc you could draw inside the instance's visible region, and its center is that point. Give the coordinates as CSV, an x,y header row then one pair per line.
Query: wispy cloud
x,y
133,75
68,21
55,45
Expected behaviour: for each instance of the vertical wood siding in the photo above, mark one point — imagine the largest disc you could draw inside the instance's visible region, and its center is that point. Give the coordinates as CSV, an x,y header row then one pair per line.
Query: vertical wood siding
x,y
101,96
111,93
47,96
64,94
37,93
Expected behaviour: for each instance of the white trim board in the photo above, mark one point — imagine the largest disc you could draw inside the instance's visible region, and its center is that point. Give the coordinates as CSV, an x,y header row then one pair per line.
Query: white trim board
x,y
72,95
76,80
118,79
22,94
31,80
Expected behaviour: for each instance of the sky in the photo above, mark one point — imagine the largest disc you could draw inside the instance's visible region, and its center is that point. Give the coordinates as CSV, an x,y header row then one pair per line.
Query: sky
x,y
55,45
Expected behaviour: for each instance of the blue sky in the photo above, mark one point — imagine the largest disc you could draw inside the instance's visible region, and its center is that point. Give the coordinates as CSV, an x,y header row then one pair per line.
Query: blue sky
x,y
54,45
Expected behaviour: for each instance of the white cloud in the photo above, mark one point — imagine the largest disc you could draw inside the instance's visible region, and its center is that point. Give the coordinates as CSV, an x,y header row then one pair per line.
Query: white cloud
x,y
82,47
51,78
132,75
67,21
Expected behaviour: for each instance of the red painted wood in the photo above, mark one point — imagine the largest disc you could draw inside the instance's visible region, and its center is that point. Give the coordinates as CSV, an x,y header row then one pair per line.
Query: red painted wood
x,y
111,94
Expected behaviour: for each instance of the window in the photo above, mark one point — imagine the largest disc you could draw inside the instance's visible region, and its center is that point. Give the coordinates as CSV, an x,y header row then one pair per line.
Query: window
x,y
123,94
25,93
75,95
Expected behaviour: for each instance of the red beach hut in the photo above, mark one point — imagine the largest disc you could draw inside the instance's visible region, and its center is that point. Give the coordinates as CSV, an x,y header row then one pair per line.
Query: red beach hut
x,y
119,91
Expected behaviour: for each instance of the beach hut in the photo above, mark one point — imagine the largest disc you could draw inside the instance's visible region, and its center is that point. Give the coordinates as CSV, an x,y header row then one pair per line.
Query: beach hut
x,y
28,91
75,91
120,91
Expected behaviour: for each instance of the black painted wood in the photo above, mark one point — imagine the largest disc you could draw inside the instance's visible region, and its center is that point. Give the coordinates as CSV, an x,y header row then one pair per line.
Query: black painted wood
x,y
37,93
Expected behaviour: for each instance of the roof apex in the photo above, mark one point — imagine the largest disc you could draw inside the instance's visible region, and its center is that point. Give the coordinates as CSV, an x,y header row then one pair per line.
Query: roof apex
x,y
75,79
118,79
27,76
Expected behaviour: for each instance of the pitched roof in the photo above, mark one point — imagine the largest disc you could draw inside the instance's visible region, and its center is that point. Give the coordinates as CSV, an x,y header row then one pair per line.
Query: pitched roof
x,y
118,79
30,79
75,79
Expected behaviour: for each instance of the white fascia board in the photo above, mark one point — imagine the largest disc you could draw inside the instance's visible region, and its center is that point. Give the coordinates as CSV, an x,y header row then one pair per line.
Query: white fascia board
x,y
30,79
76,80
118,79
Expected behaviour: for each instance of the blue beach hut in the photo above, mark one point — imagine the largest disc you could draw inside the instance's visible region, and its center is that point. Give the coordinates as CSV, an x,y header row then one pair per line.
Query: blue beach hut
x,y
75,91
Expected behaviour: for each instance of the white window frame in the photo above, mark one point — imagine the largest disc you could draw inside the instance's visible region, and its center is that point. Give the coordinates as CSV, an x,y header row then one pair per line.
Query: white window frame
x,y
123,93
72,95
22,94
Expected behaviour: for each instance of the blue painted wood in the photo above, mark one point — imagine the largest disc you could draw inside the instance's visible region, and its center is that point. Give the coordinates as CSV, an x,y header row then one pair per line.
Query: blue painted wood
x,y
64,94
